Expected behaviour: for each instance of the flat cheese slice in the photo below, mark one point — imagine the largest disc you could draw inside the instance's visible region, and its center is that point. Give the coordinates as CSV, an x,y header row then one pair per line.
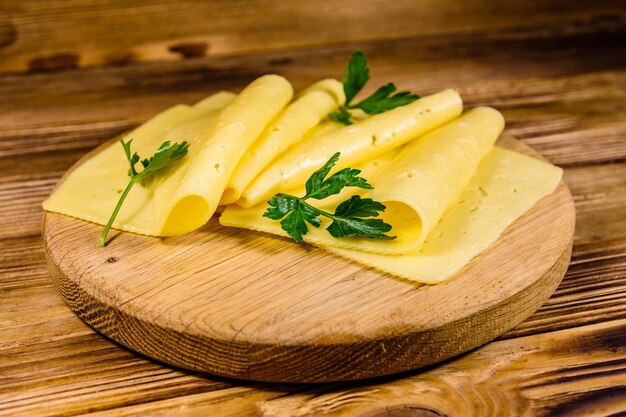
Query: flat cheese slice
x,y
506,185
424,180
184,196
299,117
357,143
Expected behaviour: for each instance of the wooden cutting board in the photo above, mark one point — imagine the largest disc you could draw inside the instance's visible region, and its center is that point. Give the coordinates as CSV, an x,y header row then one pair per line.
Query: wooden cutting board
x,y
249,305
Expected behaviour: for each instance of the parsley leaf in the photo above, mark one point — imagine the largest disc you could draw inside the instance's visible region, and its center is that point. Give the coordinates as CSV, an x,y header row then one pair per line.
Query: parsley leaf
x,y
382,100
162,158
352,218
355,77
294,223
359,207
341,116
348,221
132,160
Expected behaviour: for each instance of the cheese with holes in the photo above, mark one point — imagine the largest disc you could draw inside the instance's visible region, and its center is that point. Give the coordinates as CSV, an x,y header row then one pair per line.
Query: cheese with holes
x,y
506,185
425,179
357,143
299,117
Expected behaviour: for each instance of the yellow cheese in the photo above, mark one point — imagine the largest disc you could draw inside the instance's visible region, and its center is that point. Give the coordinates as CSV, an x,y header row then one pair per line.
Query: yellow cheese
x,y
91,191
190,202
311,107
427,178
185,195
424,180
506,185
357,143
216,101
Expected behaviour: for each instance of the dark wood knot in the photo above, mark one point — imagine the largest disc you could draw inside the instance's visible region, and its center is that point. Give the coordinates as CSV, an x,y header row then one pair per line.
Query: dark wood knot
x,y
54,62
190,50
8,32
402,411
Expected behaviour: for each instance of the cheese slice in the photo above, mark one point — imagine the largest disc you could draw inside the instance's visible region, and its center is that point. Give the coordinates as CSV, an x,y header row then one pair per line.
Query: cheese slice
x,y
192,193
307,111
424,180
357,143
506,185
184,196
216,101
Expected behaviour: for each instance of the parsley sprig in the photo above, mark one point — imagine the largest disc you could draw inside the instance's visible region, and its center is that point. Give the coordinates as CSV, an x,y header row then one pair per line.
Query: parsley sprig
x,y
355,77
163,157
352,218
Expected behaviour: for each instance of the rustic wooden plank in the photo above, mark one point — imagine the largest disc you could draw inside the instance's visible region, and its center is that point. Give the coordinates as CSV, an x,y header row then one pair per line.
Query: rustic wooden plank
x,y
234,402
593,291
575,372
23,264
558,116
89,374
33,37
133,93
21,204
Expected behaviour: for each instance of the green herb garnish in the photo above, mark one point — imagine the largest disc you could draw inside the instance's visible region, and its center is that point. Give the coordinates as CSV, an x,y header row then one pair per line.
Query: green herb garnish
x,y
163,157
355,77
352,218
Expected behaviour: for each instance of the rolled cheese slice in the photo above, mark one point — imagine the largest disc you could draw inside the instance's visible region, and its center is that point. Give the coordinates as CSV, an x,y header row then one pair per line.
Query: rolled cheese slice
x,y
216,101
427,178
506,185
299,117
182,197
187,204
357,143
91,190
424,180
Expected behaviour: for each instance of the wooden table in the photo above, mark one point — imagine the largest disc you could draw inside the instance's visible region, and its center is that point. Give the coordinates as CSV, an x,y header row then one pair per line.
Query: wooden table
x,y
75,73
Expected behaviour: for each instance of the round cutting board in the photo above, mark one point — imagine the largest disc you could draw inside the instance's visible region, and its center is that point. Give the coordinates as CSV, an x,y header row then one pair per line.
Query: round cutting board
x,y
249,305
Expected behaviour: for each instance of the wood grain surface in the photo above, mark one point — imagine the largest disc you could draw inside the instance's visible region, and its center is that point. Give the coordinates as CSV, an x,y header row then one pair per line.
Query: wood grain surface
x,y
557,70
248,305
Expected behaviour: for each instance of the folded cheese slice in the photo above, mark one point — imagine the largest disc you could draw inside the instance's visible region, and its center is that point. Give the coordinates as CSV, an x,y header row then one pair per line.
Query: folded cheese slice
x,y
91,190
299,117
185,195
216,101
424,180
506,185
357,143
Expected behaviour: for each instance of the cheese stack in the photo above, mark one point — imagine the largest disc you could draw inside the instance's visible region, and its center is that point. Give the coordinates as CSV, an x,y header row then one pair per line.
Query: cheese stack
x,y
449,193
